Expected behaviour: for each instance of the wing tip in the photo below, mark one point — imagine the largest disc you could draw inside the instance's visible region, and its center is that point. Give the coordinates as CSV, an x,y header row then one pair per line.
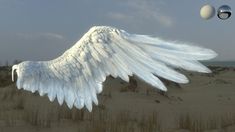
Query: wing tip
x,y
211,54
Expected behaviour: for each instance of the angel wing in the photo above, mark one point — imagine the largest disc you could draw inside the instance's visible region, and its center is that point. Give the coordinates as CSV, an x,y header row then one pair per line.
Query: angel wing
x,y
76,77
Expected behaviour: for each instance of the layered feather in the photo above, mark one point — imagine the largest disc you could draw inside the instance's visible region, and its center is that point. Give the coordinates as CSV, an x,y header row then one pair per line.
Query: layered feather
x,y
76,77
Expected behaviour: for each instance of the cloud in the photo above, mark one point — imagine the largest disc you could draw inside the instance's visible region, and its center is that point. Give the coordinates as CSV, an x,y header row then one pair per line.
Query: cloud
x,y
142,10
46,35
53,35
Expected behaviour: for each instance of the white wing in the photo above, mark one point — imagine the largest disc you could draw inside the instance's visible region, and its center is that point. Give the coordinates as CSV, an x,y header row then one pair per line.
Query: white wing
x,y
78,74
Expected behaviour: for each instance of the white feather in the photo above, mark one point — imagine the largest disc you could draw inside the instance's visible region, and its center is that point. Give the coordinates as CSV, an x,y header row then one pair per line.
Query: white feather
x,y
77,76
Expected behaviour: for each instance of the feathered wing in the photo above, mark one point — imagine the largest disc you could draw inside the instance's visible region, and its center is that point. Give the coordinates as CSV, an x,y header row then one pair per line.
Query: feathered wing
x,y
76,77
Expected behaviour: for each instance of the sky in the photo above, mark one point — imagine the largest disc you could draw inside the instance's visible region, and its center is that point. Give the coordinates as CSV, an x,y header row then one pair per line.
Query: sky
x,y
42,30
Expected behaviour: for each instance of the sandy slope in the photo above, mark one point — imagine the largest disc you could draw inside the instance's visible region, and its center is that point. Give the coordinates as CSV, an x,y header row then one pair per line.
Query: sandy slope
x,y
207,104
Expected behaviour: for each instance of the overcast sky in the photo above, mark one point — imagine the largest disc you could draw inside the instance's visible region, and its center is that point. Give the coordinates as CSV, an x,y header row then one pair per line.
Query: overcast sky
x,y
44,29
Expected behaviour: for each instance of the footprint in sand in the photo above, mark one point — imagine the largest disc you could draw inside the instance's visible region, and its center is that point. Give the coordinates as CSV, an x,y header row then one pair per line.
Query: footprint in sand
x,y
223,99
175,100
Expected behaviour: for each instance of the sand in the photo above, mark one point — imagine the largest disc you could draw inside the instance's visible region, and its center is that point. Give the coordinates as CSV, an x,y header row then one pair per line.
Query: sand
x,y
206,104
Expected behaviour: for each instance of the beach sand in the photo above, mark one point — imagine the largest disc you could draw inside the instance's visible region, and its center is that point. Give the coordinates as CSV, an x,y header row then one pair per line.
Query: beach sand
x,y
206,104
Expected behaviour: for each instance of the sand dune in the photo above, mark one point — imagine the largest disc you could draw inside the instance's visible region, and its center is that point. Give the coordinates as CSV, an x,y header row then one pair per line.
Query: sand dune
x,y
206,104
